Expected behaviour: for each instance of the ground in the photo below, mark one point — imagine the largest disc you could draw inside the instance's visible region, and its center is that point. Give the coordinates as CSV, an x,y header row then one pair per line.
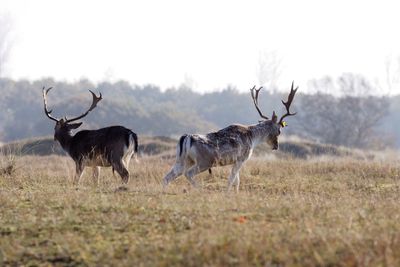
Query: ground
x,y
331,212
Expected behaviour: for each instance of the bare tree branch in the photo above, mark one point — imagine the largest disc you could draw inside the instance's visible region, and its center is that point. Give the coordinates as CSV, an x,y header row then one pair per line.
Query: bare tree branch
x,y
268,69
352,119
5,41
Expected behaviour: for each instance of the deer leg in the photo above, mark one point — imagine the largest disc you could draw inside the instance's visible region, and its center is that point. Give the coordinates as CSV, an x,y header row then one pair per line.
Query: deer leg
x,y
234,176
237,182
78,172
122,171
191,172
174,173
96,173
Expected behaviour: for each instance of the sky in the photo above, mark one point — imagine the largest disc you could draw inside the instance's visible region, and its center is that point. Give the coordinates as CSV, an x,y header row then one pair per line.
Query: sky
x,y
206,44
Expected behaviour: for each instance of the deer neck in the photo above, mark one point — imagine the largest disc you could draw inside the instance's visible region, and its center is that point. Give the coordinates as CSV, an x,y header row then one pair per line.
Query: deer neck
x,y
65,140
259,132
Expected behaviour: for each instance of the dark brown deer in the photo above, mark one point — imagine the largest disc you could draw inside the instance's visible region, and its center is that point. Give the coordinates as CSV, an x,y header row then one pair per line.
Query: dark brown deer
x,y
106,147
232,145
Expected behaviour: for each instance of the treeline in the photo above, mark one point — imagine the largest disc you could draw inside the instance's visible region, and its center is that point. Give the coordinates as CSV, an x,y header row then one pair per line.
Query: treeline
x,y
351,120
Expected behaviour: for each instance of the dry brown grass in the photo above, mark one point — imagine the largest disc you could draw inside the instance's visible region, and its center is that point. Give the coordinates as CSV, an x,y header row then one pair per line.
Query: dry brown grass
x,y
339,212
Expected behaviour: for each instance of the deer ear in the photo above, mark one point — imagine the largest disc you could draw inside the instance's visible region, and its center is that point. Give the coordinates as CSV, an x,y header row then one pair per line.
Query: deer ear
x,y
74,125
274,117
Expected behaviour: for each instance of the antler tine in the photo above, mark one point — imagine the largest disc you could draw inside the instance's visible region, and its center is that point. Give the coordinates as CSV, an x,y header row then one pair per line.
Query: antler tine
x,y
255,100
46,111
252,92
288,103
96,99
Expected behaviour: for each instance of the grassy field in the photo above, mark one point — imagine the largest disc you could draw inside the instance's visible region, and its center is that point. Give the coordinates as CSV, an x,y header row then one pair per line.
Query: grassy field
x,y
341,212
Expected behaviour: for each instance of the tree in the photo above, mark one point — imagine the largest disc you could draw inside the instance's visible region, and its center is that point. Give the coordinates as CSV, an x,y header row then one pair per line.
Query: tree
x,y
5,41
268,69
392,71
352,119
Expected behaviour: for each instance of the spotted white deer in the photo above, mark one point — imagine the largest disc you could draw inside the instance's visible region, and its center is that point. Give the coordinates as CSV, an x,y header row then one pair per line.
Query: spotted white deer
x,y
106,147
232,145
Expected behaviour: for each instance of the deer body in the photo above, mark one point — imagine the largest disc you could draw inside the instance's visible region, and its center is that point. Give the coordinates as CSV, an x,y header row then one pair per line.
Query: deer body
x,y
232,145
112,146
101,148
221,148
97,148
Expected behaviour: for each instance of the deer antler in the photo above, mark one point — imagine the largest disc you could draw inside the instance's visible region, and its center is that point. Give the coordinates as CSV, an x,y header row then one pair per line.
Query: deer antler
x,y
254,95
46,111
288,103
95,100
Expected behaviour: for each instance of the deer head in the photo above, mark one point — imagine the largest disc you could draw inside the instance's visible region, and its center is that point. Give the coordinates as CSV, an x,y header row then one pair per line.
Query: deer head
x,y
273,124
64,126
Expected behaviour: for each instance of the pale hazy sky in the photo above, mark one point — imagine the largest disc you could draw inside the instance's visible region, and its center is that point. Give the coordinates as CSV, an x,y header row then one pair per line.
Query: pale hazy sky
x,y
214,43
